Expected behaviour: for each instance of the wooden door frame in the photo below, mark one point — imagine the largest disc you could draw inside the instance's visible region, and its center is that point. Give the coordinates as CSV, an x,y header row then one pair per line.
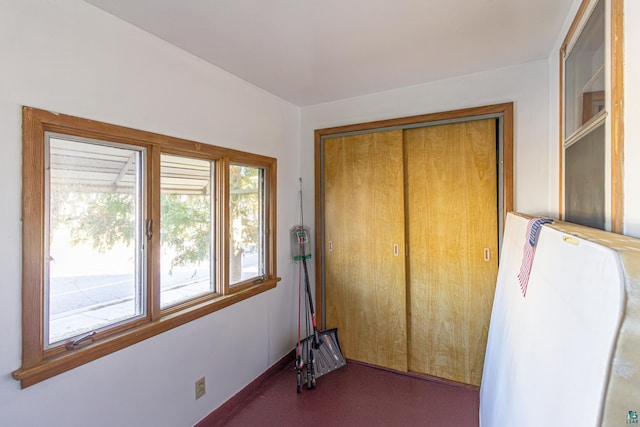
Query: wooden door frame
x,y
504,110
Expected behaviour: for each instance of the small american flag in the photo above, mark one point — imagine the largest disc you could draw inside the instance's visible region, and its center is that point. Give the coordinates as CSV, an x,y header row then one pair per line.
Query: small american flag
x,y
533,229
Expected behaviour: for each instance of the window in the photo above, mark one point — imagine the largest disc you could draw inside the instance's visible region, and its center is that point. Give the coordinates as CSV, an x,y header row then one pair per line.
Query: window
x,y
122,236
93,253
186,229
591,117
246,259
585,114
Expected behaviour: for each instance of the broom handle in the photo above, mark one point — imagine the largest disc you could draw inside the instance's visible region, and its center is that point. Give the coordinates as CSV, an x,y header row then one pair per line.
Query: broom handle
x,y
316,337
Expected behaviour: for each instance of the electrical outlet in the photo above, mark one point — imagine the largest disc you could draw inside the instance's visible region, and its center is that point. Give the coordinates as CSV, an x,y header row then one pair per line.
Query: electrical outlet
x,y
200,389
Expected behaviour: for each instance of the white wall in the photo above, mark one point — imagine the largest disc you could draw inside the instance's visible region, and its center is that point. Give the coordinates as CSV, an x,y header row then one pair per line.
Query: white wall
x,y
69,57
526,85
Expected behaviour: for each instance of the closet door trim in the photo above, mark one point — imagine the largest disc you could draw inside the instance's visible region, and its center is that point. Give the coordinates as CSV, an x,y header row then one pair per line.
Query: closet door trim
x,y
502,112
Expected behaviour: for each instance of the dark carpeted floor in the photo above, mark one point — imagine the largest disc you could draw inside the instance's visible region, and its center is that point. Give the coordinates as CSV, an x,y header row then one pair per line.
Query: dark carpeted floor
x,y
355,395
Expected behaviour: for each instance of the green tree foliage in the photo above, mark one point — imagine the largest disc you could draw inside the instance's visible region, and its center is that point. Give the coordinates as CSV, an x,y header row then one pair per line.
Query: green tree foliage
x,y
244,207
109,218
245,211
104,219
186,227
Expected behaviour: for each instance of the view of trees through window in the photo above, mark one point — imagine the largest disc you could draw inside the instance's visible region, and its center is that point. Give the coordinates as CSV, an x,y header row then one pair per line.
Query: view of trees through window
x,y
97,233
246,216
186,229
127,234
94,242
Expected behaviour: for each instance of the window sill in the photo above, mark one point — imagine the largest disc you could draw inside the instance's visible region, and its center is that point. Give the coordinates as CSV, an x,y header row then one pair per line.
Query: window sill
x,y
68,360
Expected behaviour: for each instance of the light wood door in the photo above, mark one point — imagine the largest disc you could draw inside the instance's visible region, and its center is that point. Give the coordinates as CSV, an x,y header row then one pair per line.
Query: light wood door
x,y
451,182
364,246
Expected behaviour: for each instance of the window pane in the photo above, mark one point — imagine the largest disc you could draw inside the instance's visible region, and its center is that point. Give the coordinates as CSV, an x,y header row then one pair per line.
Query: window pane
x,y
584,180
93,268
584,74
185,229
246,250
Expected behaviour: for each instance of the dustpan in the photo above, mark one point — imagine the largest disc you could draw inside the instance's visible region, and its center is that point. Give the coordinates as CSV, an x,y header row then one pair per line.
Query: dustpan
x,y
328,356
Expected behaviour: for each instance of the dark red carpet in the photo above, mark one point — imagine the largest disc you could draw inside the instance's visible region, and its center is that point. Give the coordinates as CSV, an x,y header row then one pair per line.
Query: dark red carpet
x,y
355,395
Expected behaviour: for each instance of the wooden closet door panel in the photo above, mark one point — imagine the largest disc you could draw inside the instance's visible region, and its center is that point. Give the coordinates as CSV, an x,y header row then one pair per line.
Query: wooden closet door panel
x,y
364,220
451,223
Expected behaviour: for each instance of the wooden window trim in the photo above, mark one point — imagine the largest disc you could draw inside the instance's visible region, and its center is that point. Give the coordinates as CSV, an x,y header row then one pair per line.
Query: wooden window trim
x,y
616,113
617,117
38,364
506,109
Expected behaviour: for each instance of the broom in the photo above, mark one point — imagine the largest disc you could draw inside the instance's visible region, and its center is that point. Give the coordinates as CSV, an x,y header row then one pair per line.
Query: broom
x,y
320,352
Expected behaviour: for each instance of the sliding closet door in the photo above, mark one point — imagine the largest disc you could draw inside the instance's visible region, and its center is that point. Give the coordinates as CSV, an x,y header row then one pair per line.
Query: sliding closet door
x,y
364,246
452,234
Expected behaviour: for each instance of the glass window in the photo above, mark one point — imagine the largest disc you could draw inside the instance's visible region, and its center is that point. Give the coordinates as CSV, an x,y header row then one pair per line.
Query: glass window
x,y
246,217
94,253
584,78
589,197
186,229
584,169
121,236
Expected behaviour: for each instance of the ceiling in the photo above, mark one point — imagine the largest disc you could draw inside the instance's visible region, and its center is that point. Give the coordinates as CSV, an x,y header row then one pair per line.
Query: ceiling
x,y
314,51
